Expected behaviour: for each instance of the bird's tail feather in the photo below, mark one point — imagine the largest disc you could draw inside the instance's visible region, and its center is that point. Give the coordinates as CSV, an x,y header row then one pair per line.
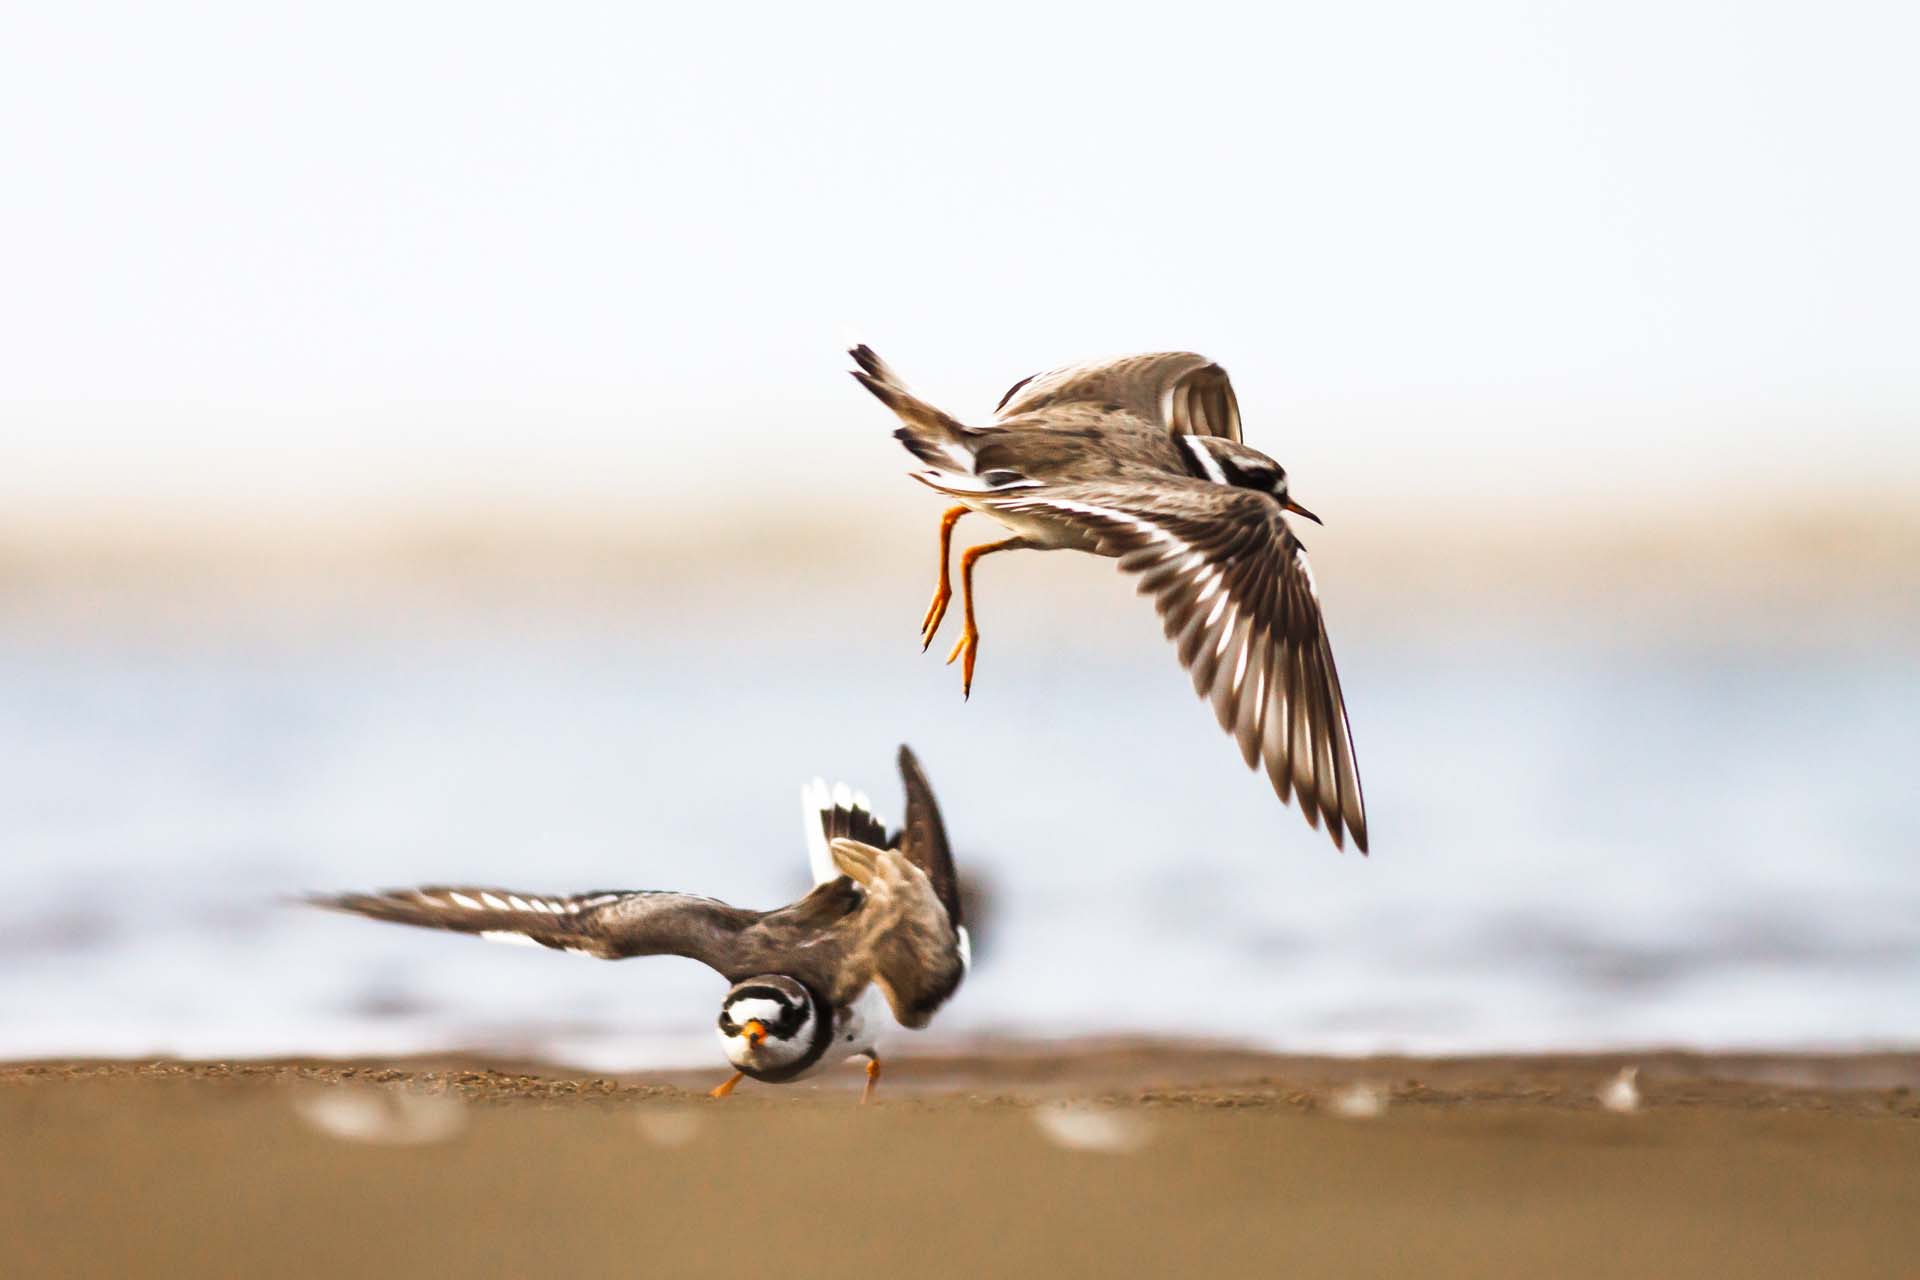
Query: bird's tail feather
x,y
935,437
833,812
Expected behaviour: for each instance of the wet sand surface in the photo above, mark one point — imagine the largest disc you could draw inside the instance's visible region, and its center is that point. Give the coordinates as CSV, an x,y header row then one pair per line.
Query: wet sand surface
x,y
1094,1160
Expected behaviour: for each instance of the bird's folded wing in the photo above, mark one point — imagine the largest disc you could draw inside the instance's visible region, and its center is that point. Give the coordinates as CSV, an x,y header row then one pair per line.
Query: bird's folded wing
x,y
610,925
1178,390
901,938
1236,596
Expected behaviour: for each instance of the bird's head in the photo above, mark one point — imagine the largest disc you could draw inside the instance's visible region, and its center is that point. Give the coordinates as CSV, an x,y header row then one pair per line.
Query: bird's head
x,y
1225,462
768,1024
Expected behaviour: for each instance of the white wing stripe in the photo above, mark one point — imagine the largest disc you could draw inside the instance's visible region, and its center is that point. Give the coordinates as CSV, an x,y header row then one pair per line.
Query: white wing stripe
x,y
955,482
1204,456
1226,633
1105,513
1306,571
1211,577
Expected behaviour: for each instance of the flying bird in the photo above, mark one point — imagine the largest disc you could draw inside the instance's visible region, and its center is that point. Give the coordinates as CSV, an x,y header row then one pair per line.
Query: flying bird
x,y
1140,459
812,983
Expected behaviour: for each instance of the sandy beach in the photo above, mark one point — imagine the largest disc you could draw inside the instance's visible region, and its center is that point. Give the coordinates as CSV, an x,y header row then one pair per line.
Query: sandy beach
x,y
1116,1159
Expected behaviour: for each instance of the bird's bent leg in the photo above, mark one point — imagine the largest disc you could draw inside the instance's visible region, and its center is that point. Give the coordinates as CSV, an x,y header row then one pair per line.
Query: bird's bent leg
x,y
943,591
873,1077
722,1090
969,643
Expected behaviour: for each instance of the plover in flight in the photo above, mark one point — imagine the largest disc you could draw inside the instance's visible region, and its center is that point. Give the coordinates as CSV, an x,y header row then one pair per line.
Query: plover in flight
x,y
812,982
1140,459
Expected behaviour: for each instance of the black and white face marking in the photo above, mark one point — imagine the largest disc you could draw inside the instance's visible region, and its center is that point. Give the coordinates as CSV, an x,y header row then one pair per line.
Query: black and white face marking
x,y
1223,462
766,1023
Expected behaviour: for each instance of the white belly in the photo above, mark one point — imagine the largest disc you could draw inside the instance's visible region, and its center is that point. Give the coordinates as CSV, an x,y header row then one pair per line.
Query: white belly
x,y
859,1031
1046,532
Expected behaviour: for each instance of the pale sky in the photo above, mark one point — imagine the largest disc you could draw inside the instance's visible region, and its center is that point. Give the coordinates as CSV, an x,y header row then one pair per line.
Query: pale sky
x,y
420,249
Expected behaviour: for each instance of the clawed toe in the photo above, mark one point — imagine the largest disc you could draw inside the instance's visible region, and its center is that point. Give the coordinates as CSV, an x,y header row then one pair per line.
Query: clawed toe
x,y
936,614
968,646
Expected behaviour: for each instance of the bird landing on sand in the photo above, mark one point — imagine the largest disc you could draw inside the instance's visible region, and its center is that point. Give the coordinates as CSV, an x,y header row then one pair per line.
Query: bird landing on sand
x,y
812,982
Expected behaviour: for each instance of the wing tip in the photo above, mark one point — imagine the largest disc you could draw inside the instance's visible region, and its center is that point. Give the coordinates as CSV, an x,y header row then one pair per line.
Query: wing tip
x,y
908,763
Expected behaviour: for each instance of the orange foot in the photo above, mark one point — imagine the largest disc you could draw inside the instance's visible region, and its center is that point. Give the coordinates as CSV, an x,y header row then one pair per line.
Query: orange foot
x,y
873,1076
936,613
969,646
726,1088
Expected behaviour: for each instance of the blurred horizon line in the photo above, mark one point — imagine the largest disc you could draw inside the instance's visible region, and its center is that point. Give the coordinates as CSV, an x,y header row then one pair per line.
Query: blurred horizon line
x,y
1762,549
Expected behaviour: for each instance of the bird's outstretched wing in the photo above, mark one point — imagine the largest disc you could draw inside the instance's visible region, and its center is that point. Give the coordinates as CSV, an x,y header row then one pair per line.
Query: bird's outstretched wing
x,y
610,925
1185,393
902,938
1235,594
923,839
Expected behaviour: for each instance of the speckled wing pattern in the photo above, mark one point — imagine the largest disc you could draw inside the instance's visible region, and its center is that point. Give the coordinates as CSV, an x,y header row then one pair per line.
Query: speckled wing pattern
x,y
1179,390
907,936
905,941
1236,596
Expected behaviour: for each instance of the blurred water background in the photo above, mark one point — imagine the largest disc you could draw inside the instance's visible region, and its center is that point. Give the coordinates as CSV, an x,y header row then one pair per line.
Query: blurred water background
x,y
1588,831
425,454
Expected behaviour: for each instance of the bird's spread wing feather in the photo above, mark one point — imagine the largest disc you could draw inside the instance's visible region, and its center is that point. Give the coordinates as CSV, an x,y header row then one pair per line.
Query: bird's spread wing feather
x,y
903,939
924,837
1236,596
1177,390
610,925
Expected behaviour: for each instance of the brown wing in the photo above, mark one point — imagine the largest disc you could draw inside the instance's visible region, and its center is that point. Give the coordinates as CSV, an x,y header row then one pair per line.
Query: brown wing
x,y
903,939
1178,390
611,925
1234,591
924,837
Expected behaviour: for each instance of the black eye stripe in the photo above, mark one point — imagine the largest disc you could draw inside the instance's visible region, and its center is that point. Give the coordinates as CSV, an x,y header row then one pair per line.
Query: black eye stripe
x,y
1247,474
792,1017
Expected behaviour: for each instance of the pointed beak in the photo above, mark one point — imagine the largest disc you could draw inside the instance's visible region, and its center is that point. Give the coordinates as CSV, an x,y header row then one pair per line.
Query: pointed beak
x,y
1297,509
753,1032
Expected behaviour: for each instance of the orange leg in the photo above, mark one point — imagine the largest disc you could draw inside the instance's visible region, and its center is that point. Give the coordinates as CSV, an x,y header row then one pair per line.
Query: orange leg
x,y
937,611
873,1077
969,643
722,1090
